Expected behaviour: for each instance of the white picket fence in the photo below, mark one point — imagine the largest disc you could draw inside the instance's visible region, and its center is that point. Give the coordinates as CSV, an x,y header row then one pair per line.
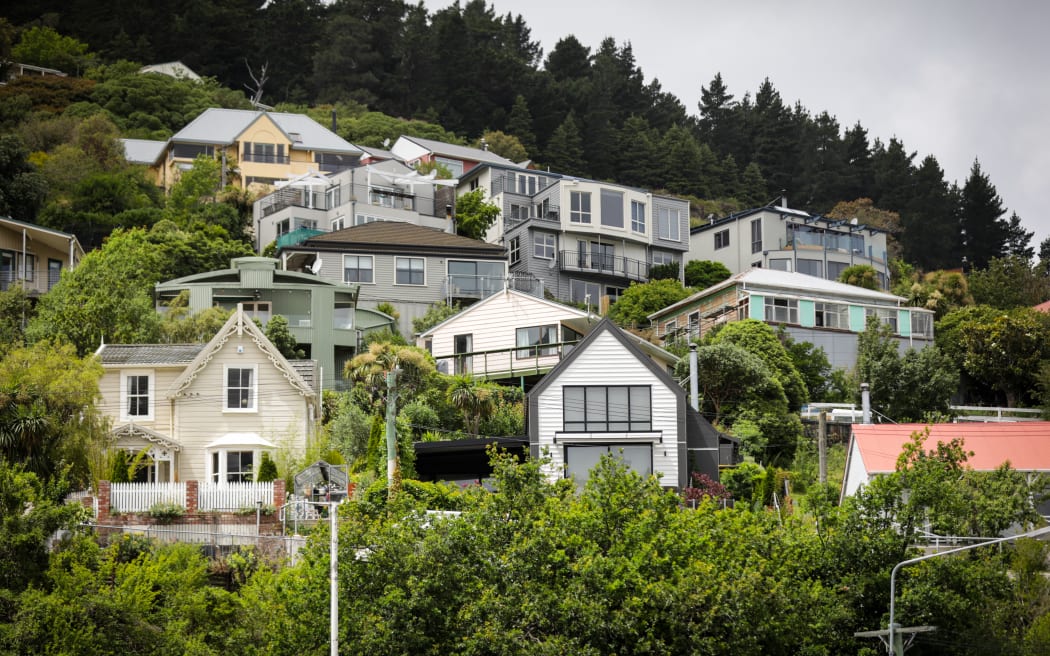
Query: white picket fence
x,y
140,497
233,496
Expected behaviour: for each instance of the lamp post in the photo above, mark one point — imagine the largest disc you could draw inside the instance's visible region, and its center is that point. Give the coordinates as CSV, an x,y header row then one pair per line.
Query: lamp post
x,y
333,579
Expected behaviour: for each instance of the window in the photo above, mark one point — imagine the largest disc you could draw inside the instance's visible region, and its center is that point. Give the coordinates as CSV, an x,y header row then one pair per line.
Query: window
x,y
471,278
136,389
54,272
29,265
515,250
835,269
810,267
637,216
580,459
474,184
362,219
519,211
612,208
334,197
607,408
831,315
191,151
667,223
258,310
670,326
693,324
660,258
921,324
534,336
603,256
721,239
240,389
756,236
781,310
584,292
886,316
410,271
580,207
454,166
358,268
780,264
338,223
543,243
265,153
238,466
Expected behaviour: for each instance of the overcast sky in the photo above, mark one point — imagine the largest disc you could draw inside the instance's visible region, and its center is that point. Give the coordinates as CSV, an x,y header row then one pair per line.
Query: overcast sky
x,y
956,79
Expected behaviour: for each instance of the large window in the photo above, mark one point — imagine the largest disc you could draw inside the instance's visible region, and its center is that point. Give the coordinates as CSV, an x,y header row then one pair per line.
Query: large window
x,y
584,292
264,153
136,393
832,315
543,244
637,216
410,271
668,221
358,268
580,207
532,338
238,466
581,459
721,239
241,389
835,269
612,208
756,235
781,310
258,310
886,316
810,267
921,324
607,408
470,277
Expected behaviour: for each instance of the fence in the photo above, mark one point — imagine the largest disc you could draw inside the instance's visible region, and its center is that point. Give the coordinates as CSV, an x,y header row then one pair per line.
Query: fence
x,y
214,543
140,497
233,496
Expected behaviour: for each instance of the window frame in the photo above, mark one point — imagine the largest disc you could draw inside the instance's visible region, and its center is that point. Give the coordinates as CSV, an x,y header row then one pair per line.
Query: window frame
x,y
514,250
638,217
786,307
371,269
125,395
722,239
540,240
252,388
596,401
756,235
669,220
577,212
533,346
411,271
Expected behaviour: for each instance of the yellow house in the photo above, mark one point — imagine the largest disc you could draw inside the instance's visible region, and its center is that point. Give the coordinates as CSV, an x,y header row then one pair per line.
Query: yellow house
x,y
34,256
254,146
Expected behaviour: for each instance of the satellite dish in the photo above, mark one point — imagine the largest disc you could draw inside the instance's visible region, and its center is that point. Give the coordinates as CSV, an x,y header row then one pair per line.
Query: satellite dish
x,y
316,266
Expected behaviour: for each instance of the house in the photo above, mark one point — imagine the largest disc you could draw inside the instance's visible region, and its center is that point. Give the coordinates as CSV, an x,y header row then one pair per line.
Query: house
x,y
825,313
606,396
508,335
175,69
34,256
314,203
254,146
323,315
874,448
406,265
784,239
414,151
580,240
207,412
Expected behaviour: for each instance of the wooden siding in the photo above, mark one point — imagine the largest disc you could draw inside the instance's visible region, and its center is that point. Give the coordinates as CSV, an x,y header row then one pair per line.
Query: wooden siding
x,y
607,362
683,224
112,403
282,415
494,323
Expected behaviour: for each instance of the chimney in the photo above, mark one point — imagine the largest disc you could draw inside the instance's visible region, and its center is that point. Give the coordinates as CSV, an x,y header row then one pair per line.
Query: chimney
x,y
865,403
333,121
451,219
694,384
783,200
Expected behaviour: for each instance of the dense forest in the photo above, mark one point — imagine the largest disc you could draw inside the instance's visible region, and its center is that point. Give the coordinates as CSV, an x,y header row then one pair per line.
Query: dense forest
x,y
578,110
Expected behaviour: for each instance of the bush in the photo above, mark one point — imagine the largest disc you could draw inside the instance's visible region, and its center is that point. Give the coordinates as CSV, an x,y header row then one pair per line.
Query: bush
x,y
267,469
166,512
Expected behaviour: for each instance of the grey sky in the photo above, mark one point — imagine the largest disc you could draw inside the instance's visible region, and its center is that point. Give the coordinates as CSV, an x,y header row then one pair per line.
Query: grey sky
x,y
959,80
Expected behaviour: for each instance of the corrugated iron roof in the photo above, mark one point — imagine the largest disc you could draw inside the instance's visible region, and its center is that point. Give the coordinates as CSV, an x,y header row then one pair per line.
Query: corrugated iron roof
x,y
223,126
1025,444
152,354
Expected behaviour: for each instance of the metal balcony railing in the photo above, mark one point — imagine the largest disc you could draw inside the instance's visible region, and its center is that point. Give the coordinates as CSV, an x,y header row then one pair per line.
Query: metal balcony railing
x,y
609,265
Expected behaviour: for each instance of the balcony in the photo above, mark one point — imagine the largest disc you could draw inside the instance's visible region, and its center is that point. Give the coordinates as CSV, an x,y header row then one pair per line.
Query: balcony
x,y
607,265
261,158
462,286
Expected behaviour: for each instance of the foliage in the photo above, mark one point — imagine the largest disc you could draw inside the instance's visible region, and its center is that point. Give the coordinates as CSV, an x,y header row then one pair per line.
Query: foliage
x,y
195,186
812,364
119,472
1008,282
16,309
860,275
504,145
667,271
22,188
760,339
348,431
434,315
475,215
908,387
1006,350
371,367
165,512
702,274
178,326
43,46
267,469
475,399
940,291
866,213
640,300
704,487
280,335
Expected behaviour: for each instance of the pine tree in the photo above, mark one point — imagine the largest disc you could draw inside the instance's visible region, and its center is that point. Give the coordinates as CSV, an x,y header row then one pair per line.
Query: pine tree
x,y
859,176
981,214
519,124
565,150
930,223
1019,240
893,171
720,125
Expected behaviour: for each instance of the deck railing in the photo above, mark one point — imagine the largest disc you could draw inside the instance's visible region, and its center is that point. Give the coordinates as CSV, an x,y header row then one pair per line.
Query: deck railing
x,y
140,497
233,496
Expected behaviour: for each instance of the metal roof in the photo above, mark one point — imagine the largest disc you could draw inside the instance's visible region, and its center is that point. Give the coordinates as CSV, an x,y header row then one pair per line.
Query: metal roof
x,y
223,126
143,151
459,152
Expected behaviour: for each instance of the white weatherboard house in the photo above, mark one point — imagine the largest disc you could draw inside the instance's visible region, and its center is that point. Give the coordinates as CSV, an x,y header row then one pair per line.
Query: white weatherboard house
x,y
207,412
607,397
507,334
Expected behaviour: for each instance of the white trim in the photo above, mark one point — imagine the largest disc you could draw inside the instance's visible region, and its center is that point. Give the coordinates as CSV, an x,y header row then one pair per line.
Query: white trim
x,y
151,394
358,282
410,284
253,396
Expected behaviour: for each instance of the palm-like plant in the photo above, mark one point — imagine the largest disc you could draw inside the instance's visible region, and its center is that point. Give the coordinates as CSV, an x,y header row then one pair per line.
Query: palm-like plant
x,y
475,400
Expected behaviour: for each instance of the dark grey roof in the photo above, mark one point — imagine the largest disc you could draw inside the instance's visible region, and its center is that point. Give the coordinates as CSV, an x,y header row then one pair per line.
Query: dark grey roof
x,y
401,237
307,369
153,354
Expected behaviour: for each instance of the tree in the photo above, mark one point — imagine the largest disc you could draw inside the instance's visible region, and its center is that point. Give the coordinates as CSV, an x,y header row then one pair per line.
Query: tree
x,y
280,335
702,274
1008,282
812,364
475,215
760,339
45,47
860,275
370,368
504,145
564,152
434,315
195,186
476,400
640,300
730,377
1018,240
22,188
519,124
930,224
981,214
1005,351
267,469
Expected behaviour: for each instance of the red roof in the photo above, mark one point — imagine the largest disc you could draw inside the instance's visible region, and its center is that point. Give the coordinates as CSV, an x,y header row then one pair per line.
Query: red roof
x,y
1025,444
1042,307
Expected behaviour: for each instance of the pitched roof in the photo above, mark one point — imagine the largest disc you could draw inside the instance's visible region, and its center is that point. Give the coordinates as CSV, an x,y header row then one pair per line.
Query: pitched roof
x,y
223,126
143,151
495,298
1042,307
459,152
148,354
790,282
55,238
1024,444
398,236
783,212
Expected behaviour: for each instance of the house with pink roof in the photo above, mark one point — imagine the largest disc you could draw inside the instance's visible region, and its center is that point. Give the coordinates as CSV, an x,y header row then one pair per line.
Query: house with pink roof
x,y
874,448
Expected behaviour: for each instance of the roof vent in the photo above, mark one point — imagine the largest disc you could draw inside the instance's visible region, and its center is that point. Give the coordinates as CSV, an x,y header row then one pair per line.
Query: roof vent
x,y
296,137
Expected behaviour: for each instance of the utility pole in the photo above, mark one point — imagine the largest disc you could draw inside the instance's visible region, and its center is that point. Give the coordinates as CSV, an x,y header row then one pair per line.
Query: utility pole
x,y
333,579
391,427
822,446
